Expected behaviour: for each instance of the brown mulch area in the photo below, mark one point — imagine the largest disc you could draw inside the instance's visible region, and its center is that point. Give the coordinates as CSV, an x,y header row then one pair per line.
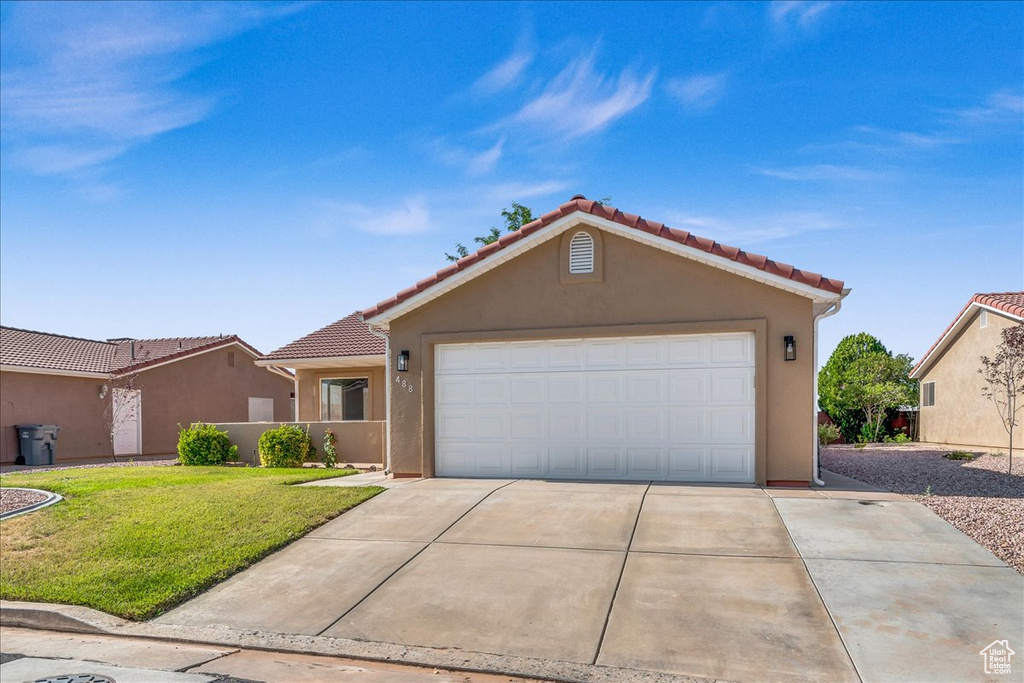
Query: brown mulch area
x,y
15,499
979,497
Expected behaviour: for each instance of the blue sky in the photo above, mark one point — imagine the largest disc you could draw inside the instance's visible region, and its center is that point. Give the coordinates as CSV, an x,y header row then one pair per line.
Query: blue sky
x,y
265,169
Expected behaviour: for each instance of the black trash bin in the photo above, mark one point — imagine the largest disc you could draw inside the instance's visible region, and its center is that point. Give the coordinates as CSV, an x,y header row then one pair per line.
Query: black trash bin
x,y
38,444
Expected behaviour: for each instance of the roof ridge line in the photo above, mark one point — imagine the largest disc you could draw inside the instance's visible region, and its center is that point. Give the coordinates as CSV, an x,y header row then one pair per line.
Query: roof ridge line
x,y
57,334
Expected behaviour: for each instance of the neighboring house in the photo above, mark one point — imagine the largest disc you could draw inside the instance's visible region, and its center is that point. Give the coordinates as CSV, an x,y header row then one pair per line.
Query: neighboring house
x,y
339,372
593,344
145,387
953,409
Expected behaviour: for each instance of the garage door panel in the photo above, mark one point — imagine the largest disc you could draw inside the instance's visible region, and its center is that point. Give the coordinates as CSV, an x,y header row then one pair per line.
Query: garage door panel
x,y
564,426
605,463
604,353
735,349
731,425
688,425
644,463
688,387
564,388
689,462
565,461
454,391
604,388
528,460
605,425
530,390
644,387
733,385
526,426
730,463
644,408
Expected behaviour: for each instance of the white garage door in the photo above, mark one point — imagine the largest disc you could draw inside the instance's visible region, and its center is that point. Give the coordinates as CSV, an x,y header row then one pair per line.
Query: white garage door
x,y
674,408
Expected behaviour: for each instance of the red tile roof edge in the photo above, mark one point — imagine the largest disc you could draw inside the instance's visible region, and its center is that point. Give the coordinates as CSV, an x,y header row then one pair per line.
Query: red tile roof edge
x,y
593,208
988,299
312,346
223,341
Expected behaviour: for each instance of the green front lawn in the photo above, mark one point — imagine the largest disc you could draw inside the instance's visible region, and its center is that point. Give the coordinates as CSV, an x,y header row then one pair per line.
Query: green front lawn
x,y
135,541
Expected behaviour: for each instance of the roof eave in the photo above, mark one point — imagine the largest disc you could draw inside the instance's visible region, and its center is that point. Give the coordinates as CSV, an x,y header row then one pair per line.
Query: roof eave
x,y
951,333
556,227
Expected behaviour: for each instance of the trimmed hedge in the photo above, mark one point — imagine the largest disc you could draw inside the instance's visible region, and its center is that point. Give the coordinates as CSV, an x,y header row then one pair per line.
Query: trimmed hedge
x,y
204,444
285,446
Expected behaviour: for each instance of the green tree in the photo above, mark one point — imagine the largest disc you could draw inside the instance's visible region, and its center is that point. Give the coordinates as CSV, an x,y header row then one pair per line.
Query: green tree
x,y
515,218
876,383
832,376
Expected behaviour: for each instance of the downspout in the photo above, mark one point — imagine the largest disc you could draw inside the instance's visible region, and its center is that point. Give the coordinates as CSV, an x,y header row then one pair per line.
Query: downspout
x,y
387,394
830,311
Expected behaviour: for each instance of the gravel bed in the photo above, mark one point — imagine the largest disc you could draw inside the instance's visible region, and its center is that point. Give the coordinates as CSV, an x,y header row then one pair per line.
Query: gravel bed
x,y
8,469
15,499
977,496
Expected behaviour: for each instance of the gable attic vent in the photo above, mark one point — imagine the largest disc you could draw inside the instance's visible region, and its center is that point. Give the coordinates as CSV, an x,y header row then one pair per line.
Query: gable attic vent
x,y
983,319
581,253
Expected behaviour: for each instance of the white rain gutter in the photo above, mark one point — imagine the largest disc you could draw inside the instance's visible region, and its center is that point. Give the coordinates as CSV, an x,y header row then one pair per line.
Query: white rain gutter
x,y
828,312
387,394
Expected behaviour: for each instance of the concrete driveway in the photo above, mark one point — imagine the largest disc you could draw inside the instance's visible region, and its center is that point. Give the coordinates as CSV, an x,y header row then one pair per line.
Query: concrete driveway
x,y
731,582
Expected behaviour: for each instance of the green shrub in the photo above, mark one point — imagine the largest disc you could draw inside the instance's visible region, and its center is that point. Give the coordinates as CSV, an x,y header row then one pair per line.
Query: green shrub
x,y
204,444
828,433
330,456
959,455
898,438
285,446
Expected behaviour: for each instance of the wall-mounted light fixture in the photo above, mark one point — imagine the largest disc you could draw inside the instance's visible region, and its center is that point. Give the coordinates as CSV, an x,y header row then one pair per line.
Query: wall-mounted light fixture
x,y
403,361
103,391
790,344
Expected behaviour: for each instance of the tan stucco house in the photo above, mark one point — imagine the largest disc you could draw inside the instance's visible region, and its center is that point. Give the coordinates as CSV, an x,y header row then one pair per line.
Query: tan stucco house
x,y
143,388
953,410
589,344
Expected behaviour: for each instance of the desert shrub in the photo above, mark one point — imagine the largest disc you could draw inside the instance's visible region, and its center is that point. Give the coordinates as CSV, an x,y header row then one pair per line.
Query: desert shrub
x,y
330,456
285,446
959,455
897,438
828,433
204,444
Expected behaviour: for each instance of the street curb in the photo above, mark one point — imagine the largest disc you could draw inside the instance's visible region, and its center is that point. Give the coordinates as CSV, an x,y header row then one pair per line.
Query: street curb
x,y
44,616
51,498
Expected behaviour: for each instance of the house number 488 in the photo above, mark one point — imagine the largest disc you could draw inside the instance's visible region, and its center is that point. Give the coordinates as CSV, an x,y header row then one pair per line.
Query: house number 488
x,y
406,384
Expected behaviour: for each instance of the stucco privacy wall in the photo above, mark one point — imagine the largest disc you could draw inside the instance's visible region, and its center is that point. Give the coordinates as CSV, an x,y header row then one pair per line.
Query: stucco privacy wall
x,y
961,416
359,443
205,387
309,390
71,402
643,291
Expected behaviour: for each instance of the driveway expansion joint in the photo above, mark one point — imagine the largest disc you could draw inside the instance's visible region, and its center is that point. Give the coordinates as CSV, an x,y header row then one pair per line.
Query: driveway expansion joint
x,y
406,563
618,582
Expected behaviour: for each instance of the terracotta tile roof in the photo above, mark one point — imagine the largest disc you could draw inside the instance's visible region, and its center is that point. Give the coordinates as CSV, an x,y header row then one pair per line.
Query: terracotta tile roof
x,y
1007,302
27,348
349,336
42,350
579,203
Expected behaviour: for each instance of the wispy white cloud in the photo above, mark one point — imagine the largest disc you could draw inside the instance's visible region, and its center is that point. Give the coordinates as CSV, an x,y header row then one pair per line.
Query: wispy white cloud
x,y
504,75
744,231
872,140
698,93
472,162
84,82
788,14
410,217
580,100
1002,106
822,172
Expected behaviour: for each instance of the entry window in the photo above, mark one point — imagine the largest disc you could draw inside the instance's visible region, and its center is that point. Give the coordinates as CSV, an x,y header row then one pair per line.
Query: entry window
x,y
928,394
344,399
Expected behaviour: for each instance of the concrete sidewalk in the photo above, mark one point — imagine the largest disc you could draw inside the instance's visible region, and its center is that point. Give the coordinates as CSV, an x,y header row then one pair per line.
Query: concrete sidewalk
x,y
731,582
28,655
